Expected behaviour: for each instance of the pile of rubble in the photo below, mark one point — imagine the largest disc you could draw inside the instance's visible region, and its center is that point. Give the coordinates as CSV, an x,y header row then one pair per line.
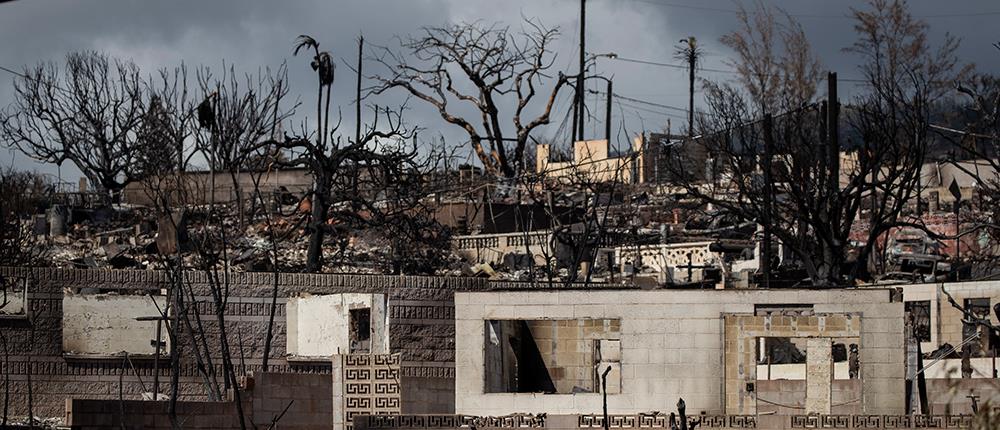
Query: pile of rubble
x,y
131,237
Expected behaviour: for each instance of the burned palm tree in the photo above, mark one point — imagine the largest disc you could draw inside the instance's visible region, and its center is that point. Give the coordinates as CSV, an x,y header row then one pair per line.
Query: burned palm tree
x,y
690,52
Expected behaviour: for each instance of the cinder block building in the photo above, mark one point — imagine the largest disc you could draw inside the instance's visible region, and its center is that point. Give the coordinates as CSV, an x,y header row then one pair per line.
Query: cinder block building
x,y
547,351
389,348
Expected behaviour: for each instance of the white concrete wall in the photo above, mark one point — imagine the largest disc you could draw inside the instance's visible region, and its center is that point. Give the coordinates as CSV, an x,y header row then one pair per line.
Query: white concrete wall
x,y
319,326
105,325
797,372
951,368
672,345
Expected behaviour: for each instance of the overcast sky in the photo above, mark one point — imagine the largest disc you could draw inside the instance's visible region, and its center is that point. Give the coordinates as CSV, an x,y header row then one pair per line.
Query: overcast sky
x,y
252,34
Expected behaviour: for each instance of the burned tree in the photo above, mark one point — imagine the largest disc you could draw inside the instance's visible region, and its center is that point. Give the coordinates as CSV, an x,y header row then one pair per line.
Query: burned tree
x,y
23,193
166,124
482,69
237,114
235,120
690,52
784,169
975,136
908,79
89,114
774,61
370,180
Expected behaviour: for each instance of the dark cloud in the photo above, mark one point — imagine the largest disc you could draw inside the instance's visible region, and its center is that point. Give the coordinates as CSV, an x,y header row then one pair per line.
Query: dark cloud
x,y
252,34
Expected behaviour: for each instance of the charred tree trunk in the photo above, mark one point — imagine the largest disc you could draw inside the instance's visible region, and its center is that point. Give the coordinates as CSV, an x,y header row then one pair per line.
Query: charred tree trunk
x,y
317,223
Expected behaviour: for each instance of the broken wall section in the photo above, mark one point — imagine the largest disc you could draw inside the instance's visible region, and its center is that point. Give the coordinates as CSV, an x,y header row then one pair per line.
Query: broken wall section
x,y
106,325
13,297
552,356
331,324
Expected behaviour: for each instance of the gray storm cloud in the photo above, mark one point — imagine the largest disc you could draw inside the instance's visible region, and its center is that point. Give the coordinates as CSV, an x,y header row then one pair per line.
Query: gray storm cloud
x,y
253,34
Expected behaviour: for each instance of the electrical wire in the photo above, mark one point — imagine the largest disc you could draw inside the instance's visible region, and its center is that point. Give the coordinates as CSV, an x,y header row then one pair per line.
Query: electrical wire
x,y
815,16
702,69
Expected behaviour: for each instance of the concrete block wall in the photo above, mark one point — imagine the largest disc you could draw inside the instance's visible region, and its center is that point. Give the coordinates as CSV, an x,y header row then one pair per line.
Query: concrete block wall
x,y
788,397
672,343
567,349
309,336
105,324
87,414
421,314
882,351
307,397
946,321
202,188
422,331
951,396
742,332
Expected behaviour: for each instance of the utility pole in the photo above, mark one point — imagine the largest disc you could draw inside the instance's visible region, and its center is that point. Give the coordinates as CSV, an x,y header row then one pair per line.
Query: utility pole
x,y
833,128
357,101
689,52
691,99
765,265
956,192
581,108
607,114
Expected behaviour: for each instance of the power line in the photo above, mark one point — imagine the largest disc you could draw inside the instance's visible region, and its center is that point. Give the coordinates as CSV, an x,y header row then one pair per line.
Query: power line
x,y
684,6
735,11
645,102
703,69
645,109
12,71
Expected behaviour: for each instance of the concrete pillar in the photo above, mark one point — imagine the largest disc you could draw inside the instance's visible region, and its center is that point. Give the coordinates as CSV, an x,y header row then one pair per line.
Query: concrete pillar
x,y
57,220
337,373
379,342
819,375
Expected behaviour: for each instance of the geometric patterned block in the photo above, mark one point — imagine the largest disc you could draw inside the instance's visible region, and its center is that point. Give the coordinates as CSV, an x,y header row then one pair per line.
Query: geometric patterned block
x,y
880,421
371,385
662,421
519,421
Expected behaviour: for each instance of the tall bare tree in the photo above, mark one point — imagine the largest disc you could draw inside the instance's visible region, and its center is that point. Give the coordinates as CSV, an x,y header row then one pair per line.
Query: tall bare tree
x,y
23,194
236,117
167,124
774,60
978,138
785,171
483,69
89,113
907,77
363,180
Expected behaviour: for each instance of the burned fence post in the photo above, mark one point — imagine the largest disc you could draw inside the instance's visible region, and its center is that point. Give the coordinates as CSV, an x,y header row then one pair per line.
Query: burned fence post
x,y
157,343
681,407
604,393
